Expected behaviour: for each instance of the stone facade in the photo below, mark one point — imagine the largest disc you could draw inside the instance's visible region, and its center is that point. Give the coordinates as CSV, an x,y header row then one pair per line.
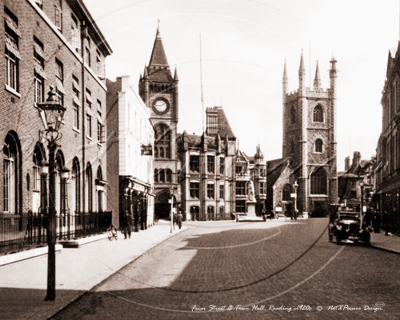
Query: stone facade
x,y
309,139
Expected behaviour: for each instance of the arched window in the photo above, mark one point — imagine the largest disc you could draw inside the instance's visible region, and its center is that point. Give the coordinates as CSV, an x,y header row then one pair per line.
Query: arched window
x,y
292,147
39,194
318,114
61,189
155,175
155,152
287,190
89,188
319,182
163,140
76,182
10,174
162,175
318,145
292,115
99,177
169,175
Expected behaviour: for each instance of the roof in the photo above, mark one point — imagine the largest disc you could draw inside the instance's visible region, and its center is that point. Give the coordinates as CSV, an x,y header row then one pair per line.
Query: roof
x,y
224,128
158,69
275,168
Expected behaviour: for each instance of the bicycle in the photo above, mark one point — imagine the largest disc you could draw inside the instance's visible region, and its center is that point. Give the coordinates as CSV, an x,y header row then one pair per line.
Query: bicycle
x,y
112,233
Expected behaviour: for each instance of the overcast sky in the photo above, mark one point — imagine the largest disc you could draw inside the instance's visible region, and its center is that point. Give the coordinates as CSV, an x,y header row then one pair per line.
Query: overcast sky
x,y
244,47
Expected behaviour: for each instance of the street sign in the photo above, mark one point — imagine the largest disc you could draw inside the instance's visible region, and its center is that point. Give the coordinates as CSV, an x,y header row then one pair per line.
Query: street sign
x,y
293,195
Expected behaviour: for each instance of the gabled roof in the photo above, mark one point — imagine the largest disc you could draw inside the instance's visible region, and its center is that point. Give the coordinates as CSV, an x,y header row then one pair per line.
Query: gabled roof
x,y
275,168
241,156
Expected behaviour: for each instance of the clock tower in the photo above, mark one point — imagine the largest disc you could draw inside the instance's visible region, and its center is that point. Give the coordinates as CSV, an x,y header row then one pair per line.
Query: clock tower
x,y
159,90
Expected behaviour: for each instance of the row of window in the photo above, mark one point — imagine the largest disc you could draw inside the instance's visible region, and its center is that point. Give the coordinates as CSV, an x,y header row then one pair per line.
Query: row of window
x,y
318,114
318,146
195,212
194,164
195,190
162,175
12,173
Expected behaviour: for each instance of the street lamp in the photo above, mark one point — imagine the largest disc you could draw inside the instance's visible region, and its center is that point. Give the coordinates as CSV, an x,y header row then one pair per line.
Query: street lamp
x,y
295,186
52,114
362,196
171,193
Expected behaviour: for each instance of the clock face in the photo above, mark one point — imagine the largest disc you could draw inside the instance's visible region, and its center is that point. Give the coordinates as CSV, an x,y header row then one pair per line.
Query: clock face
x,y
160,106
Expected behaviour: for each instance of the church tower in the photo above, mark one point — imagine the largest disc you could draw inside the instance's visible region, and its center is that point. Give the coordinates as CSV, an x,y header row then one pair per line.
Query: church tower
x,y
159,90
309,139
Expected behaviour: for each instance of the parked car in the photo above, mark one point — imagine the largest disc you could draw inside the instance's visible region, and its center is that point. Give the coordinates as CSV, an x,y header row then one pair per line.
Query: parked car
x,y
348,227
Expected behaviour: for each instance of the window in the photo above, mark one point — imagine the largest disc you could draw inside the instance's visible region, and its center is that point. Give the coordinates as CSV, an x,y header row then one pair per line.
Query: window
x,y
319,182
60,97
10,177
221,191
75,37
162,139
318,114
89,125
222,165
99,131
59,70
58,15
292,115
12,54
210,213
194,190
162,175
353,194
262,188
240,206
287,190
210,191
155,175
38,87
194,163
89,188
98,104
240,188
318,145
77,185
99,63
210,164
88,98
239,170
169,175
155,152
76,115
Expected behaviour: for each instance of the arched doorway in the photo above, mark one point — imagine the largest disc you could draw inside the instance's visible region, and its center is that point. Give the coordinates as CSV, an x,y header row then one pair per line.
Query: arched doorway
x,y
287,201
162,206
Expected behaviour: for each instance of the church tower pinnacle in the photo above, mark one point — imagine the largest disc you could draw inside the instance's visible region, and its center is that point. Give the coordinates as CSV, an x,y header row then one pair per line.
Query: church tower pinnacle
x,y
317,79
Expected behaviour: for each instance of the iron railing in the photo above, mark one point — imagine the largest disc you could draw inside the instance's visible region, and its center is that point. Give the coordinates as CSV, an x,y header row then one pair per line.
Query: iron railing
x,y
26,231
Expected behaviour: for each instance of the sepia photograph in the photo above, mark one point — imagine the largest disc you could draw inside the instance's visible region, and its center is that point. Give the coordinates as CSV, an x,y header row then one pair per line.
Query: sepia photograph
x,y
198,159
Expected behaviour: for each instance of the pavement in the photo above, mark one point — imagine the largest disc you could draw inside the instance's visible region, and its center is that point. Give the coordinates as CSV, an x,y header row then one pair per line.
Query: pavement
x,y
78,270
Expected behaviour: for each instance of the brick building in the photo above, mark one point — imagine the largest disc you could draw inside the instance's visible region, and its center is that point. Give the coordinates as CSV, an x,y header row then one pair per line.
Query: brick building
x,y
54,43
309,139
388,148
129,155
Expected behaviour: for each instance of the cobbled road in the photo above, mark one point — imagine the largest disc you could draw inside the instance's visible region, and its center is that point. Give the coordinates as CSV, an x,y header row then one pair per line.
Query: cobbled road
x,y
278,269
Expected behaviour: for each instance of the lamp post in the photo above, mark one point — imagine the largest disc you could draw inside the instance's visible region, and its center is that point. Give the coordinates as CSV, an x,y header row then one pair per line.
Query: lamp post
x,y
295,186
51,113
171,193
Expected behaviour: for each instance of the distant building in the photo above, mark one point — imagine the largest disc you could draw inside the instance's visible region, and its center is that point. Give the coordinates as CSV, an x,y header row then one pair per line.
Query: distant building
x,y
388,148
349,181
159,91
309,139
129,155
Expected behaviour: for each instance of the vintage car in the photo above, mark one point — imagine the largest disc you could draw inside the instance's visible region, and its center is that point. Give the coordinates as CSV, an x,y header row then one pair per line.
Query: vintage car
x,y
347,226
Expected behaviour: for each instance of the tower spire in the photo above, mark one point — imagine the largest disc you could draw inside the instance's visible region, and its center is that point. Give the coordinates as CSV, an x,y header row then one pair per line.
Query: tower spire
x,y
317,79
302,69
158,29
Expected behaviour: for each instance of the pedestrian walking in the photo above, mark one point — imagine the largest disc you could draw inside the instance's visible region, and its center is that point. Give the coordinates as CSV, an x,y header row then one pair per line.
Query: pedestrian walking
x,y
128,225
179,218
386,222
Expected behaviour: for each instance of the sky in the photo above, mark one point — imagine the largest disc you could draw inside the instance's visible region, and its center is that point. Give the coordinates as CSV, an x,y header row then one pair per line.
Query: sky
x,y
244,45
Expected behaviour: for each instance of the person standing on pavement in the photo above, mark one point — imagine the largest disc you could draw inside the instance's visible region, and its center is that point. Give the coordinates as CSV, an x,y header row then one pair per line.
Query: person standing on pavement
x,y
385,221
179,218
128,225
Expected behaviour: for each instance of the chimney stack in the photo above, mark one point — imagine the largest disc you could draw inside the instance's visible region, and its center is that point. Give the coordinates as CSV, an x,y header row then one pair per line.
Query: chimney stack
x,y
346,163
356,158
